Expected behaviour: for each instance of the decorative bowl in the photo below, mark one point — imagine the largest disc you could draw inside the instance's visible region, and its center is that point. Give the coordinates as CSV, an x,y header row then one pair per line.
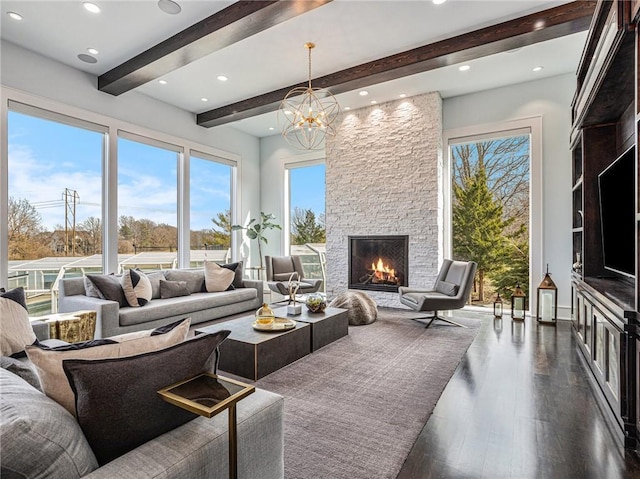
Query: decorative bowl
x,y
316,303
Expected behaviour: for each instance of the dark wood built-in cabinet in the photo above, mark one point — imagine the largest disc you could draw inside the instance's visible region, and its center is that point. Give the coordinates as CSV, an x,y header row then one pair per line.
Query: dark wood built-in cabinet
x,y
606,123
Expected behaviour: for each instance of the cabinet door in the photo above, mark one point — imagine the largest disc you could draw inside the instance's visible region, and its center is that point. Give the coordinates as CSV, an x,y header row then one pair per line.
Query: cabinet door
x,y
575,309
599,354
587,325
637,384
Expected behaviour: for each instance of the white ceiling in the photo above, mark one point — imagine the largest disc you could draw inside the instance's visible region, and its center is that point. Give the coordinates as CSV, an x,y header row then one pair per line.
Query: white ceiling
x,y
346,33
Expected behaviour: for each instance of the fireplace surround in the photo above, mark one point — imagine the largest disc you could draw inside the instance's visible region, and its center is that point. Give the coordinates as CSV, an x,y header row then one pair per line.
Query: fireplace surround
x,y
378,263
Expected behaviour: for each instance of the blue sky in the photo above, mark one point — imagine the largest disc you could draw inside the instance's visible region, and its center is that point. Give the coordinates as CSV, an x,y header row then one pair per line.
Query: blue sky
x,y
46,157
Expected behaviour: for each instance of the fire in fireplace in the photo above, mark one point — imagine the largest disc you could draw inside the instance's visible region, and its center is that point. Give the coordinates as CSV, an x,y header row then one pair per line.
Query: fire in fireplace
x,y
378,263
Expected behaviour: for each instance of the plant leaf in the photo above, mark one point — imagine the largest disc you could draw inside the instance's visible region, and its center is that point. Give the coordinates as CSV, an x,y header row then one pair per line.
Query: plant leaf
x,y
252,234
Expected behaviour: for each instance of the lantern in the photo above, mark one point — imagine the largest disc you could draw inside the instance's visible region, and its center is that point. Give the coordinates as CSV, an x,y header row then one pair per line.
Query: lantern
x,y
518,300
547,301
497,307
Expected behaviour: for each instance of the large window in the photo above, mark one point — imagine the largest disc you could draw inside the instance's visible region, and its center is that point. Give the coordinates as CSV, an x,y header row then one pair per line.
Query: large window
x,y
490,210
147,204
86,193
211,183
307,234
55,202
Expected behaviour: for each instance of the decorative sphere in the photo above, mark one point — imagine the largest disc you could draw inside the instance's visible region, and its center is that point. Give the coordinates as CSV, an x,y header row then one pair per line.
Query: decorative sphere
x,y
316,303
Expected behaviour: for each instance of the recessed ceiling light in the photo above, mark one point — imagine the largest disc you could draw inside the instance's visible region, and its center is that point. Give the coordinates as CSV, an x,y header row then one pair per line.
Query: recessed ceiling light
x,y
464,68
403,95
14,15
373,102
162,82
347,108
222,78
539,24
438,2
87,58
271,128
93,51
204,99
363,93
91,7
169,6
538,68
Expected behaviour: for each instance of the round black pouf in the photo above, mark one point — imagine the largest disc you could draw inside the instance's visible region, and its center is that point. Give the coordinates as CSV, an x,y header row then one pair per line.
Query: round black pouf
x,y
362,309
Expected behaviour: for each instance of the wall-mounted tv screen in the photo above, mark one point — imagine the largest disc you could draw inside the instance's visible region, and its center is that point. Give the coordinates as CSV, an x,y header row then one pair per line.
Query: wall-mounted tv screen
x,y
616,186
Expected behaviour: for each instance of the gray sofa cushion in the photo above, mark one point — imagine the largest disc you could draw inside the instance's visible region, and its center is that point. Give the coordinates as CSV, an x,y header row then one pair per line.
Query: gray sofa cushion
x,y
154,279
199,448
127,388
194,279
39,438
163,308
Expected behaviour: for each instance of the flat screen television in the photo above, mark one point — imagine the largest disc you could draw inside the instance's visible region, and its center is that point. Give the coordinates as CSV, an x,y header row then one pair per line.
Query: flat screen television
x,y
616,187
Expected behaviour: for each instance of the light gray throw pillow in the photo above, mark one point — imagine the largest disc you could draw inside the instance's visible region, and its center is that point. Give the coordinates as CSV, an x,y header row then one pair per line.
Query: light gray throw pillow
x,y
39,437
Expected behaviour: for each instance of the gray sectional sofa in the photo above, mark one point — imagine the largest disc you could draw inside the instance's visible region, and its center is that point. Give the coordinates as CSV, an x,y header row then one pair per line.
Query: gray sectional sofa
x,y
113,318
40,438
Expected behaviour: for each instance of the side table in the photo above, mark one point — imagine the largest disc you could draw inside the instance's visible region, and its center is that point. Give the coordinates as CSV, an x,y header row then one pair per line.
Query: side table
x,y
207,395
71,327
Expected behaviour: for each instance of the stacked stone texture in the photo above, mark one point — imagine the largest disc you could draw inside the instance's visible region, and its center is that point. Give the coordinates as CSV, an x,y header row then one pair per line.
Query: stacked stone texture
x,y
384,177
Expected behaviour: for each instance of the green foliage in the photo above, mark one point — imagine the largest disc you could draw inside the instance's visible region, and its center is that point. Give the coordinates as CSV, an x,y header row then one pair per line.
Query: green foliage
x,y
220,234
255,230
306,228
478,224
516,268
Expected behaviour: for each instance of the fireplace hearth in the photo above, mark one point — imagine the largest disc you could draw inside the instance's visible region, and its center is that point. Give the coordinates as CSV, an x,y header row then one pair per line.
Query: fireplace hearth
x,y
378,263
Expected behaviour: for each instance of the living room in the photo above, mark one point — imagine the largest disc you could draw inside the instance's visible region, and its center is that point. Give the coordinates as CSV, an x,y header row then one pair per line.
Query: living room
x,y
34,83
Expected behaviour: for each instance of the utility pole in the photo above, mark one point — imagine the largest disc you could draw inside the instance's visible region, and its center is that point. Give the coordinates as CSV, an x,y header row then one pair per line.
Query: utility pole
x,y
70,198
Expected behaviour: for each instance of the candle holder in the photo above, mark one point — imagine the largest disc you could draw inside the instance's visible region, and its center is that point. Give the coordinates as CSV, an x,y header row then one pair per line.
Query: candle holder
x,y
547,301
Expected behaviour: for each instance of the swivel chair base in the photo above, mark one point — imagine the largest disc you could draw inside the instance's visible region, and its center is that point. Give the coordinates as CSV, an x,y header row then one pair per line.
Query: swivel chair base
x,y
436,317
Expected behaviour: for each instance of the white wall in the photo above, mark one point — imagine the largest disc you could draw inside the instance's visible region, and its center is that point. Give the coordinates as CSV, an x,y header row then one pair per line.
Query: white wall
x,y
48,79
551,99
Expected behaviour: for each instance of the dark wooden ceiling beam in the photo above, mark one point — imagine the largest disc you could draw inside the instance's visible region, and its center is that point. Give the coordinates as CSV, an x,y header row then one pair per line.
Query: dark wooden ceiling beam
x,y
538,27
226,27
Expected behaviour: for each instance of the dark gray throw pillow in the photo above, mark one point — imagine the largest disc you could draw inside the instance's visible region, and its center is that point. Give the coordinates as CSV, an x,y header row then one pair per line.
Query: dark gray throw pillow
x,y
127,388
194,278
108,287
445,287
173,289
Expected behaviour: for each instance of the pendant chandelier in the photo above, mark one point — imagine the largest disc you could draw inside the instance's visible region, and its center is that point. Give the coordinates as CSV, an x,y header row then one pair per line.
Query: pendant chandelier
x,y
306,114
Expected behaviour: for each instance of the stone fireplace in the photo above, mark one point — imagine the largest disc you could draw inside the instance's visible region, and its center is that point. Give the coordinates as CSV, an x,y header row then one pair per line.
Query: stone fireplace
x,y
384,178
378,263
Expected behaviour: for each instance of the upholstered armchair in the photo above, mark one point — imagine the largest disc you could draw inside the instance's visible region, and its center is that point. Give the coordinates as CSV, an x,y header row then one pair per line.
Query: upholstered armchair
x,y
279,271
451,290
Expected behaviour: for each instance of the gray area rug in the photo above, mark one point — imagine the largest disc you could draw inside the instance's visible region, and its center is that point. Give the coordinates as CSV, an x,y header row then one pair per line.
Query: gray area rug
x,y
354,408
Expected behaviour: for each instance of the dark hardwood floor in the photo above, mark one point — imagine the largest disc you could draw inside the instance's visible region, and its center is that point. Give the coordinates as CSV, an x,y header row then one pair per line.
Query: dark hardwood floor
x,y
519,406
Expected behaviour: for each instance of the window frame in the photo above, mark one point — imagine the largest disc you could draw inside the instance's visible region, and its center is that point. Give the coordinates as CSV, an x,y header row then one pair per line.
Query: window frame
x,y
532,126
57,111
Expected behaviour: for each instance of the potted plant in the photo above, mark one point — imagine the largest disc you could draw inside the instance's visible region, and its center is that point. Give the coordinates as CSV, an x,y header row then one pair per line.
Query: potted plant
x,y
255,230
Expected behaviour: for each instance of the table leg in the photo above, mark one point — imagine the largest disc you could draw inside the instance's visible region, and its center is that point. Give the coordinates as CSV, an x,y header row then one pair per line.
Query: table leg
x,y
233,443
